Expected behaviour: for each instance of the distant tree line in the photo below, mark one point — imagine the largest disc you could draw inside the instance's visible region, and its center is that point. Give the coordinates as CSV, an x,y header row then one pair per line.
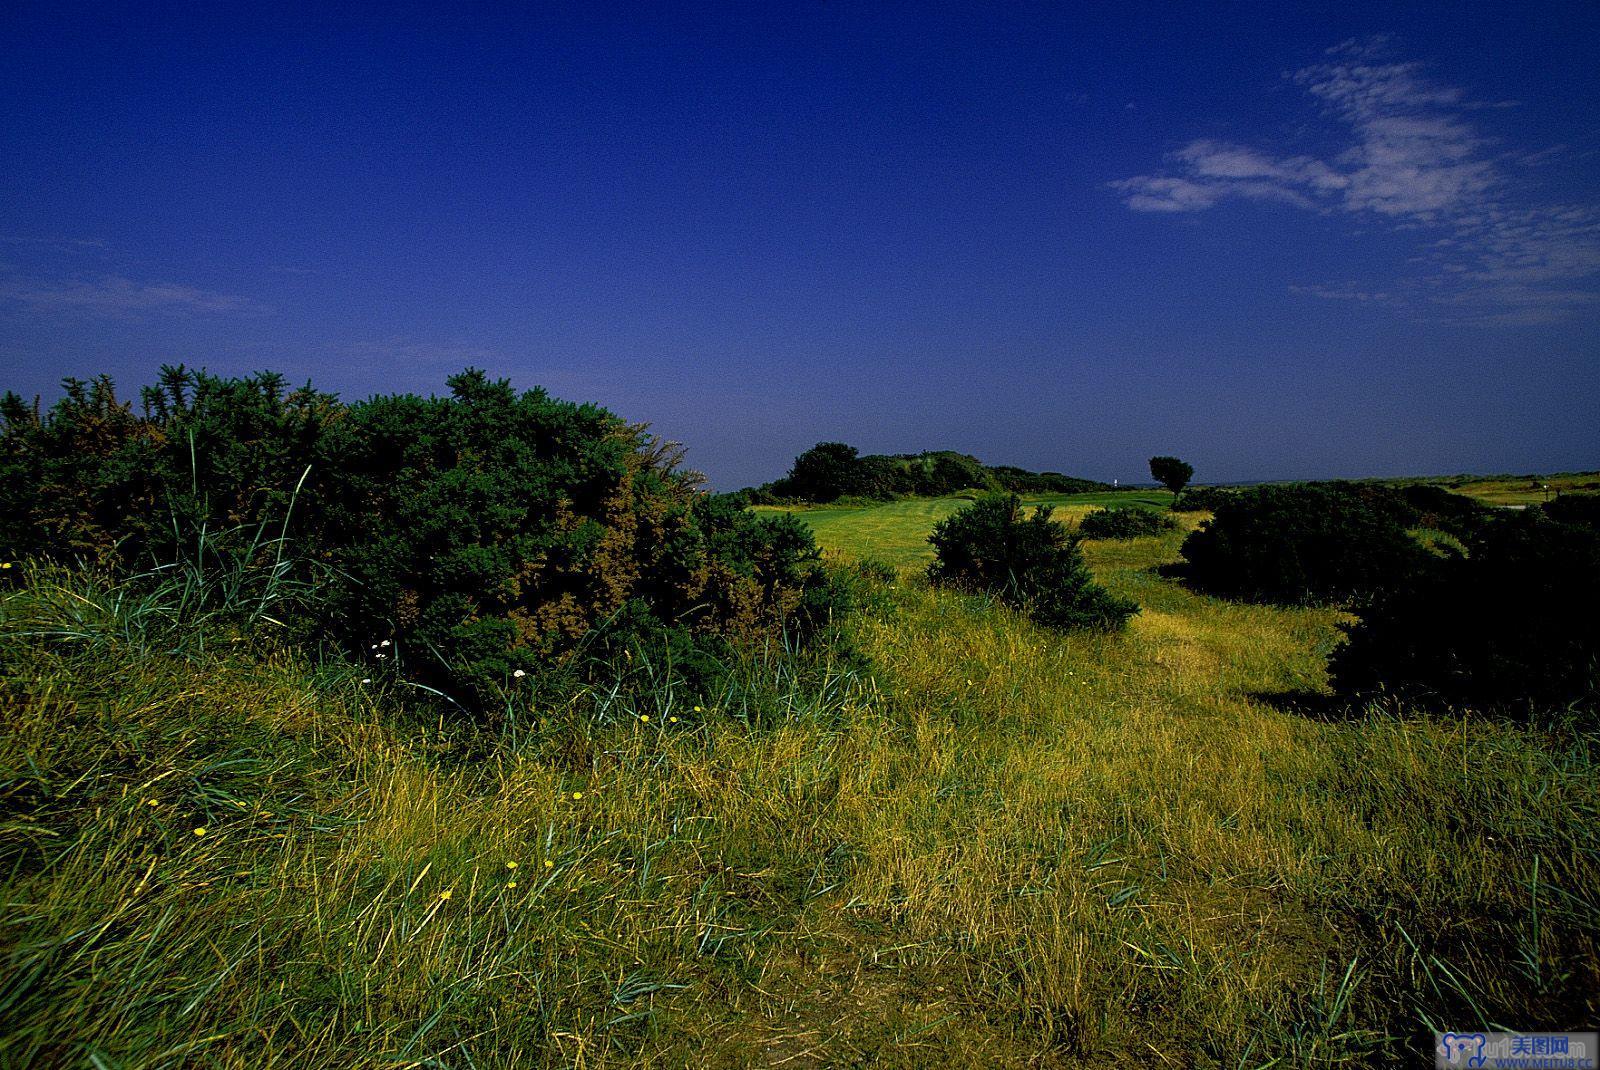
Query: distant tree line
x,y
830,471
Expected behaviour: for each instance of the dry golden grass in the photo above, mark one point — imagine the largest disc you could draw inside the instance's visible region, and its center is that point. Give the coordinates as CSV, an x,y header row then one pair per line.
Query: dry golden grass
x,y
1002,846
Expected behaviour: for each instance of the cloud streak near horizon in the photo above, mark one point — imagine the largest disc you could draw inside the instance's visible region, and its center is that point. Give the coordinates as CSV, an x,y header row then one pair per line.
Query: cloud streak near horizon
x,y
117,295
1407,151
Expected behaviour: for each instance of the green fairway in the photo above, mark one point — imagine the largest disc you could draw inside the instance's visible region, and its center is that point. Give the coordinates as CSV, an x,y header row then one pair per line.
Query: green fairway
x,y
896,533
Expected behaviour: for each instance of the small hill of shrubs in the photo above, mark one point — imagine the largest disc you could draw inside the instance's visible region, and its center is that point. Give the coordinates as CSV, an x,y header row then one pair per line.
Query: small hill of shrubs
x,y
1510,624
830,471
1124,522
462,542
1031,562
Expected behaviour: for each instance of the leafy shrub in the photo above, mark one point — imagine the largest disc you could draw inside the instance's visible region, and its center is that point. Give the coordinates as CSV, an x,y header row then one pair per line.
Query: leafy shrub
x,y
1302,543
1123,522
1509,624
479,533
1032,563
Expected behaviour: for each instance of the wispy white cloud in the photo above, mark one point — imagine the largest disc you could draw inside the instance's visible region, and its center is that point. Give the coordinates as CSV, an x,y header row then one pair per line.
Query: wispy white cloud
x,y
1411,154
115,295
52,242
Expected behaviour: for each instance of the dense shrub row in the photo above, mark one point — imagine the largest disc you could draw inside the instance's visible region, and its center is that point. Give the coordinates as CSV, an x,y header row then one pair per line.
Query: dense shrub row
x,y
470,536
1496,614
1031,562
1124,522
1508,624
829,471
1302,543
1203,499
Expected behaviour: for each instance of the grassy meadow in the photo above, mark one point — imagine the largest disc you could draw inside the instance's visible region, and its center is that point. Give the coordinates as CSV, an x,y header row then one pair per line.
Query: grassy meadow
x,y
978,843
896,532
1522,490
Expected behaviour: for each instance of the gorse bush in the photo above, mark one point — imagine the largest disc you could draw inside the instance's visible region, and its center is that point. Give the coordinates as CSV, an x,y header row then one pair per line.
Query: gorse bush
x,y
470,536
492,531
1509,625
1030,562
1303,543
1123,522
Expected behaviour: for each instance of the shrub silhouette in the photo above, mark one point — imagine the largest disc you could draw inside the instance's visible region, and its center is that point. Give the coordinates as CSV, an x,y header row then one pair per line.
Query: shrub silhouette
x,y
1172,473
1303,543
1508,625
1123,522
1032,563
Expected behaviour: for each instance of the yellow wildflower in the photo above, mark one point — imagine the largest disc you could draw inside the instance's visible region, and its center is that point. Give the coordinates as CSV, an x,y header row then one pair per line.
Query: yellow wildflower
x,y
512,884
577,795
445,894
199,832
511,865
549,864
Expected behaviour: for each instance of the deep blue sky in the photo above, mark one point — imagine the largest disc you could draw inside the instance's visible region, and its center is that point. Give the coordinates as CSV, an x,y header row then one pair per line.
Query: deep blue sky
x,y
1281,240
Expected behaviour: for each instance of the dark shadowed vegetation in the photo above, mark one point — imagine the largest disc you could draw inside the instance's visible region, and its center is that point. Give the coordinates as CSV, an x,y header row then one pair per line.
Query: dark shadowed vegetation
x,y
1507,625
1172,473
1299,543
830,471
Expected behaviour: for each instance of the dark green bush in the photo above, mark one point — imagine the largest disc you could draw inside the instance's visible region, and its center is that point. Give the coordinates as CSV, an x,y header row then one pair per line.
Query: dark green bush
x,y
91,479
1124,522
1580,509
1508,625
1022,481
478,534
829,471
1302,543
1032,563
1434,507
1203,499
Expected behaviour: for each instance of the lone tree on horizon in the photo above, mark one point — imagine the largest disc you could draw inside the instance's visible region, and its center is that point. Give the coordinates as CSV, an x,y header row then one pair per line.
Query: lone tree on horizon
x,y
1172,473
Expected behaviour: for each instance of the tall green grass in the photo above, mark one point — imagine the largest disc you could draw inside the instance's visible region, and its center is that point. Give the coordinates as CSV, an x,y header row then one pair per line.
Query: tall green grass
x,y
979,843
